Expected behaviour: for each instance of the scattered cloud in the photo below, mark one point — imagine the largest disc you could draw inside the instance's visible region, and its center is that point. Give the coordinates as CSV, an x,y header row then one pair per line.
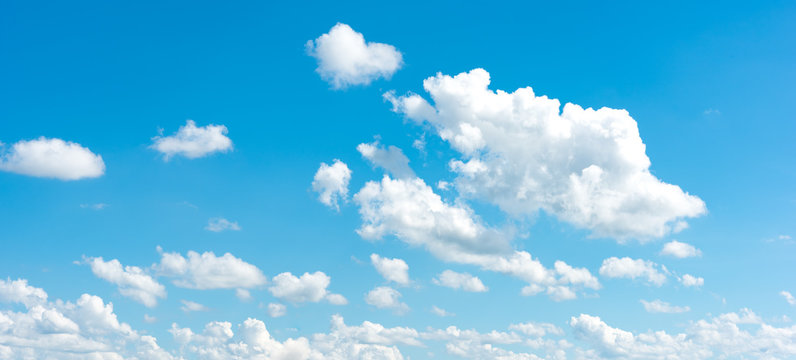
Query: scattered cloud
x,y
97,206
626,267
463,281
190,306
712,111
394,270
310,287
208,271
243,295
150,319
680,250
331,183
440,312
788,297
193,142
658,306
391,159
276,310
133,282
384,297
691,281
345,59
51,158
221,224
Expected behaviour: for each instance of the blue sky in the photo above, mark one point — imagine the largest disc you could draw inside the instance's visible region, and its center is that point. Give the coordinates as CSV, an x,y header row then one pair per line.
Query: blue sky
x,y
164,135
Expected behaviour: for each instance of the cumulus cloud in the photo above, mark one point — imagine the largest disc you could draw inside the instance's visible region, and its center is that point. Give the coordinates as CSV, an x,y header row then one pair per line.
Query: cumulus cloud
x,y
345,59
536,330
391,159
692,281
208,271
221,224
394,270
133,282
658,306
680,250
626,267
310,287
523,153
193,142
276,310
18,291
51,158
331,183
463,281
190,306
384,297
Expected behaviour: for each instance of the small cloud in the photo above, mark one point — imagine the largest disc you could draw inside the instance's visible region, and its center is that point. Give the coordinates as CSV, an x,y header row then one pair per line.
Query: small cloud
x,y
440,312
189,306
193,141
97,206
276,310
51,158
243,294
658,306
788,297
712,111
680,250
149,319
384,297
692,281
221,224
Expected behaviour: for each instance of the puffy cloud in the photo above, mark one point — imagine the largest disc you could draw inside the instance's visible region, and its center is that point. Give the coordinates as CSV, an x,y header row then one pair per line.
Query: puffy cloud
x,y
680,250
193,142
276,310
394,270
523,153
331,183
190,306
85,329
536,330
440,312
307,288
132,281
464,281
345,59
788,297
208,271
576,276
384,297
658,306
391,159
692,281
51,158
626,267
221,224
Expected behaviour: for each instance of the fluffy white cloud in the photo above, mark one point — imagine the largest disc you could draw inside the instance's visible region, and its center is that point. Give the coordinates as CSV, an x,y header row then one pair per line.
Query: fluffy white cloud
x,y
189,306
391,159
85,329
788,297
394,270
680,250
51,158
384,297
331,183
626,267
692,281
658,306
193,142
276,310
464,281
345,59
133,282
208,271
221,224
523,153
307,288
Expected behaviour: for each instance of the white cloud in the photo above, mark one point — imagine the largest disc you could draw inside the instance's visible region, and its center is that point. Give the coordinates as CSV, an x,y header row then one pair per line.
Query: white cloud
x,y
208,271
132,281
345,59
18,291
189,306
536,330
788,297
331,183
440,312
692,281
97,206
523,153
51,158
464,281
384,297
221,224
391,159
243,294
680,250
307,288
658,306
394,270
626,267
276,310
193,142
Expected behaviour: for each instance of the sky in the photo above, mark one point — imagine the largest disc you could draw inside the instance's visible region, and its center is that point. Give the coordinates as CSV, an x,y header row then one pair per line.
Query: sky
x,y
447,180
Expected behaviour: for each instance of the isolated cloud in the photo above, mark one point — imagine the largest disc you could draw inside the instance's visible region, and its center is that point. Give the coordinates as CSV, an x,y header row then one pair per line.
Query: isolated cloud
x,y
208,271
390,158
331,183
133,282
680,250
658,306
384,297
788,297
51,158
692,281
221,224
307,288
440,312
193,142
345,59
523,153
276,310
394,270
463,281
626,267
190,306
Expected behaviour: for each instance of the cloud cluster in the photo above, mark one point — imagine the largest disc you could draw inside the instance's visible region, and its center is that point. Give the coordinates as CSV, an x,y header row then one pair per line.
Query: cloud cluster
x,y
523,153
345,59
133,282
331,183
193,142
51,158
